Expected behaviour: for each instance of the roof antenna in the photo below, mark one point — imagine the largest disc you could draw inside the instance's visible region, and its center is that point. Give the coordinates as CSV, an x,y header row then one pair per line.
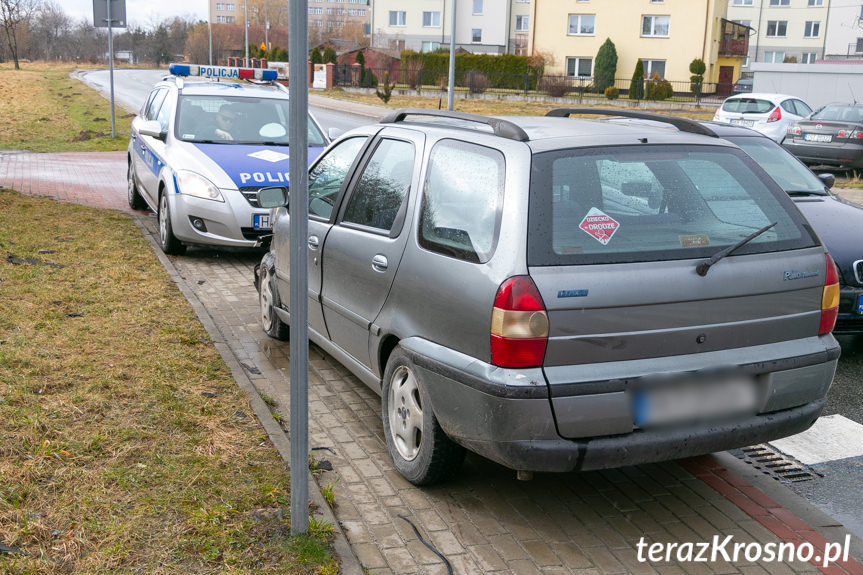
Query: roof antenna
x,y
851,89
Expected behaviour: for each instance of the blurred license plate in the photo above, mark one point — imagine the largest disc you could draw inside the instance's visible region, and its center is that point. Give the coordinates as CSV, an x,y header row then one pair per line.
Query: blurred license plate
x,y
261,222
694,401
817,137
742,122
860,304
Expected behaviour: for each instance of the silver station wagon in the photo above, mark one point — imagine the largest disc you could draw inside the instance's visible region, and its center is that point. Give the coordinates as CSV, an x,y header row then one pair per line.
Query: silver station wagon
x,y
559,294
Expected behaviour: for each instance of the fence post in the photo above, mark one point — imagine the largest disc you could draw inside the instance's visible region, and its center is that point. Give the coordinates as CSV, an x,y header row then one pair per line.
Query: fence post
x,y
419,81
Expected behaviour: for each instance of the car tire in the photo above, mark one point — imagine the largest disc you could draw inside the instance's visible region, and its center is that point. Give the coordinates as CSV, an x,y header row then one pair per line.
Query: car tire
x,y
167,241
268,300
136,202
417,444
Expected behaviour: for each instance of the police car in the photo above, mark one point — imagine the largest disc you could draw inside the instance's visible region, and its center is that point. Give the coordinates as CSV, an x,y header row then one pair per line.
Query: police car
x,y
206,141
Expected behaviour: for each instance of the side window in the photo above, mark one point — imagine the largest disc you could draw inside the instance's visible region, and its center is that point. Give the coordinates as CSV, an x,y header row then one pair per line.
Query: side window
x,y
802,108
164,115
155,104
382,188
462,198
326,178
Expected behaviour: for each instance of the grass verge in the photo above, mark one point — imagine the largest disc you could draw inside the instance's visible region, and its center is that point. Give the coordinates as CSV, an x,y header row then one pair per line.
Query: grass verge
x,y
125,444
43,109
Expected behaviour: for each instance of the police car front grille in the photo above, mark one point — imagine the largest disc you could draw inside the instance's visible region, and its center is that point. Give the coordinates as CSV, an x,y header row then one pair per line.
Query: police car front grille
x,y
251,194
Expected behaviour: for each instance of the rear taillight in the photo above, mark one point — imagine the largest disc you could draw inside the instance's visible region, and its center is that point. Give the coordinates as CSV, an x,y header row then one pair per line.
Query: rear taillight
x,y
519,324
851,135
793,130
829,298
775,115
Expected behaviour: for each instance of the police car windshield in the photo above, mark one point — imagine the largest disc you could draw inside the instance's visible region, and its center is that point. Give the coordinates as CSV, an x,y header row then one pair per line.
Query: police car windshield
x,y
237,120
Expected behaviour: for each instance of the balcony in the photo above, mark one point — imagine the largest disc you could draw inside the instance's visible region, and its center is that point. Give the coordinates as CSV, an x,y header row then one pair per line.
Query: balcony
x,y
734,40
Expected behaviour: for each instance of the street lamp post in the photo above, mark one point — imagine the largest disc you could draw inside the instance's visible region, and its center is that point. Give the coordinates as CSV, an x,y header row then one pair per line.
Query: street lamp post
x,y
246,27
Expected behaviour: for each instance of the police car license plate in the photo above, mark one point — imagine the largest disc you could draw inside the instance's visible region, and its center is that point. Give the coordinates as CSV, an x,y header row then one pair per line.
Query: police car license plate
x,y
695,401
261,222
860,304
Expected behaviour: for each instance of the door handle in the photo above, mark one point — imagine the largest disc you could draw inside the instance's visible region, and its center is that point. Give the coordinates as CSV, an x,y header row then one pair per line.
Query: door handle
x,y
314,242
379,263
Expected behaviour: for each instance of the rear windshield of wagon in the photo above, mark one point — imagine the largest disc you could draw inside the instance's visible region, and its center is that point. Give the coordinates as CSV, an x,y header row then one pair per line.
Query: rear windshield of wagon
x,y
651,202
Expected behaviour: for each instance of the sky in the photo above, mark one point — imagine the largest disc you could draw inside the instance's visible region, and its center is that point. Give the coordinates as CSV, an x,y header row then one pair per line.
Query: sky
x,y
142,13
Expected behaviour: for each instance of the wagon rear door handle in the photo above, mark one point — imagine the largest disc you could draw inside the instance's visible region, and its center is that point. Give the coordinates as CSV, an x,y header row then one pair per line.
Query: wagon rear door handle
x,y
380,263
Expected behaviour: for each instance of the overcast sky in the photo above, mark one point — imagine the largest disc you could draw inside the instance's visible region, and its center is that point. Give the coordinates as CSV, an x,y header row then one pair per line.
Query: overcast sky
x,y
142,13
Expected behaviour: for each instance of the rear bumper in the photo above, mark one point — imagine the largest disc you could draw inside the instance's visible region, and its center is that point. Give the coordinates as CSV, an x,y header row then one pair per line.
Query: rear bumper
x,y
515,418
845,155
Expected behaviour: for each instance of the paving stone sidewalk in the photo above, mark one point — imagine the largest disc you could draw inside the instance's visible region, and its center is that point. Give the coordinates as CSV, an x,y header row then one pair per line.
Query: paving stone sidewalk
x,y
486,521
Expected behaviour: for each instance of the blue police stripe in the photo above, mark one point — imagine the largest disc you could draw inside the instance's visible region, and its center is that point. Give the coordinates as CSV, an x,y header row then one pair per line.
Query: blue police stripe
x,y
247,171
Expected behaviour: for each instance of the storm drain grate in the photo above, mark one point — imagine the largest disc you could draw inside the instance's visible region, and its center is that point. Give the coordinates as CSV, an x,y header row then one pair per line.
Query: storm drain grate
x,y
776,464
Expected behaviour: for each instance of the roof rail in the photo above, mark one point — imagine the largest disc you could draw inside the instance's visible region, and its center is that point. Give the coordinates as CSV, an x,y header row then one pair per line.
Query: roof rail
x,y
502,128
682,124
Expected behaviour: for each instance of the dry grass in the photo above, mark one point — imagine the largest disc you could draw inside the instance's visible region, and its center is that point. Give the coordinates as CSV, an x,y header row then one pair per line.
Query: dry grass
x,y
125,445
43,109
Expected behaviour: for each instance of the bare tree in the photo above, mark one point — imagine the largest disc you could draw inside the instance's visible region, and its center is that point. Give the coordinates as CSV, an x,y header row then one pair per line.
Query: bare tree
x,y
50,29
14,15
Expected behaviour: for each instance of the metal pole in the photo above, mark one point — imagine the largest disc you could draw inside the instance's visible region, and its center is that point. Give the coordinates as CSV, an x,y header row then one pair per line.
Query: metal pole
x,y
451,89
210,29
246,28
111,69
298,135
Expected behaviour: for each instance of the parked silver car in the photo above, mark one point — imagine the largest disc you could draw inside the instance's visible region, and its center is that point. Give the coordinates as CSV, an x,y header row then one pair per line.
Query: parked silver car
x,y
559,294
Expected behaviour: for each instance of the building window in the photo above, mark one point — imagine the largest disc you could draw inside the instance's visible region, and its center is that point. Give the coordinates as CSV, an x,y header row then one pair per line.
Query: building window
x,y
581,24
429,46
522,23
777,28
656,26
743,22
816,2
812,30
859,47
774,57
476,35
431,19
579,67
808,57
397,18
741,3
652,67
477,6
780,2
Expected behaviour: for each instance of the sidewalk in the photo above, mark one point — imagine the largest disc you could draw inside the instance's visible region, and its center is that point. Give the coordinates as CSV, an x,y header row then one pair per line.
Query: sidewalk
x,y
485,521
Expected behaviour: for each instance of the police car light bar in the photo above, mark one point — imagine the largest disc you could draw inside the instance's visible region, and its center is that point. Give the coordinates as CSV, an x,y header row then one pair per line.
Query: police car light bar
x,y
226,72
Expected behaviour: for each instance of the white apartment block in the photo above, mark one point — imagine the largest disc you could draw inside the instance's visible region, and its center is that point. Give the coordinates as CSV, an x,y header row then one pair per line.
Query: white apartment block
x,y
845,31
482,26
783,30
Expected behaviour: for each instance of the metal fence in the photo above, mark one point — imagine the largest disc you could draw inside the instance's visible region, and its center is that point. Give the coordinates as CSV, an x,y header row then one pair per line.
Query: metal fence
x,y
531,84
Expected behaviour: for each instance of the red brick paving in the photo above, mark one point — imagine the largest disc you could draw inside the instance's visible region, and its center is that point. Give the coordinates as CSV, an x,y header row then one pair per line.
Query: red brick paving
x,y
95,179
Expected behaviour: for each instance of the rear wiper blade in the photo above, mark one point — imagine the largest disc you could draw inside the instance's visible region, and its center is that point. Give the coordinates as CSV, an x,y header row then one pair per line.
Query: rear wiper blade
x,y
702,268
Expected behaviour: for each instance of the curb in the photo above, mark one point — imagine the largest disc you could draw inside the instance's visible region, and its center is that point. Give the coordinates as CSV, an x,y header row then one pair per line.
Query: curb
x,y
348,561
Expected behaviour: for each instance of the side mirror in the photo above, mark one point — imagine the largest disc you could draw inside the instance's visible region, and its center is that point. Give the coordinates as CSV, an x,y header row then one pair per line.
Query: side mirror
x,y
334,133
828,179
153,129
273,197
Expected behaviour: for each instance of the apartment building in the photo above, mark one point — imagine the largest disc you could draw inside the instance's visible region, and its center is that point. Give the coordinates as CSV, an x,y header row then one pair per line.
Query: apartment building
x,y
844,31
326,17
666,35
783,30
482,26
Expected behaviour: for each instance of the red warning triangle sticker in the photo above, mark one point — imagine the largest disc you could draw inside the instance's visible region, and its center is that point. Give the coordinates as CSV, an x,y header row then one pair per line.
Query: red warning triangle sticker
x,y
601,226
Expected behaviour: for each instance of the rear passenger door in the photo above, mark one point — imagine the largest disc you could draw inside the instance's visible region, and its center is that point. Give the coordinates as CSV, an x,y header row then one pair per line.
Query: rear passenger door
x,y
147,163
363,249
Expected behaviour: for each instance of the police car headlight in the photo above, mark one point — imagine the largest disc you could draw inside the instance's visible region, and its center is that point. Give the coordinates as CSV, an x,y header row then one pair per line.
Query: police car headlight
x,y
192,184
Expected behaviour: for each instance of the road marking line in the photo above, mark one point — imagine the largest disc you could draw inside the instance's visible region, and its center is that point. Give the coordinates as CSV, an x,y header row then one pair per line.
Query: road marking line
x,y
832,437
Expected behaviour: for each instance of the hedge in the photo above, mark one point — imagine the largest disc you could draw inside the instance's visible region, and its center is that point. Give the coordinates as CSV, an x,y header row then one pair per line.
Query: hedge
x,y
510,69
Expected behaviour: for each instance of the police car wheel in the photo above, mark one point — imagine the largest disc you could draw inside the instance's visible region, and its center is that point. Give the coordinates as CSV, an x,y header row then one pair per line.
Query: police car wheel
x,y
268,299
167,241
136,202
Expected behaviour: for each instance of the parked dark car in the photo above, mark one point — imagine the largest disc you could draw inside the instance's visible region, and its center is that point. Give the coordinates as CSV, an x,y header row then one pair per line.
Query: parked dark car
x,y
742,86
832,136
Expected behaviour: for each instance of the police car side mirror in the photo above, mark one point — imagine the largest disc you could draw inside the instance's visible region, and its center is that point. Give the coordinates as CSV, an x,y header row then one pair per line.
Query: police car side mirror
x,y
827,179
153,129
334,133
273,197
